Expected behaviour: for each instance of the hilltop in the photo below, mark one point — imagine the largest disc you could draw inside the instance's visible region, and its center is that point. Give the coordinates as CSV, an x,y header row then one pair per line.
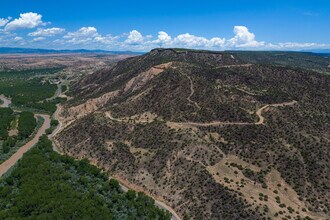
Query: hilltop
x,y
215,135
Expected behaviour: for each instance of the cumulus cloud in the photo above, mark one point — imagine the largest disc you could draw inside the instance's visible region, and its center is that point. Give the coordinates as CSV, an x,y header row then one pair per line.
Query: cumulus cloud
x,y
163,38
47,32
4,21
192,41
293,45
37,39
25,21
83,32
109,39
90,38
134,38
243,38
18,38
82,36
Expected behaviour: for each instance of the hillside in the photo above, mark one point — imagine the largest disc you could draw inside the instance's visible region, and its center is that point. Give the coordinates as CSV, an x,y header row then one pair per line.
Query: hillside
x,y
215,135
306,60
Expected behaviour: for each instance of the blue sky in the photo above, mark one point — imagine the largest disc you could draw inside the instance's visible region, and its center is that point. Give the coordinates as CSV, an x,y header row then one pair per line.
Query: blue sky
x,y
142,25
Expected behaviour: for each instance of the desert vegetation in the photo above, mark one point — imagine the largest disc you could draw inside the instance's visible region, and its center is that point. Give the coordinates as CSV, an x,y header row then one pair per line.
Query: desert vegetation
x,y
28,89
145,130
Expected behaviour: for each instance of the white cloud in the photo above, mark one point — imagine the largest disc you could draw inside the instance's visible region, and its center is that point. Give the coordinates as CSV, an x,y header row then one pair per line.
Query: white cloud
x,y
218,42
4,21
134,38
37,39
106,39
47,32
89,38
84,35
163,38
293,45
192,41
18,39
243,38
83,32
25,21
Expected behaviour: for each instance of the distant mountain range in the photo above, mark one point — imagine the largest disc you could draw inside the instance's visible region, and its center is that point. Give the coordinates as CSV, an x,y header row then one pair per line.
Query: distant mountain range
x,y
327,51
5,50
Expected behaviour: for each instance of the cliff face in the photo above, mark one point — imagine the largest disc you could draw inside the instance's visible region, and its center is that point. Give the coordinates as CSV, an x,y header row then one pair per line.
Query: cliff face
x,y
214,135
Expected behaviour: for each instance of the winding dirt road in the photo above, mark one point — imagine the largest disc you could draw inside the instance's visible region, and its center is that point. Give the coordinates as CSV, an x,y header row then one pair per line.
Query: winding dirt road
x,y
125,186
217,123
235,65
258,113
192,91
5,166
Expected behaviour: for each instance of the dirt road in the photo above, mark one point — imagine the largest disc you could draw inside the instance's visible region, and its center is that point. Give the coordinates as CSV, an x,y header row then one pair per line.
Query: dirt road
x,y
192,91
5,166
258,113
125,186
235,65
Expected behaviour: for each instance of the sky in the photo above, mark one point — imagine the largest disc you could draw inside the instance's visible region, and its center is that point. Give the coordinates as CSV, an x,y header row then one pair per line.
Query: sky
x,y
143,25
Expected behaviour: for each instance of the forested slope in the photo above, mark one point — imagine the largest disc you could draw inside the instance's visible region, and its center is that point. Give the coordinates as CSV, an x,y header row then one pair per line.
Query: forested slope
x,y
46,185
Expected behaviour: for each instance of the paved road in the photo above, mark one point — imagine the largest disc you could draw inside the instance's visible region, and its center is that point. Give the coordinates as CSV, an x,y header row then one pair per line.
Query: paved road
x,y
5,166
57,129
58,92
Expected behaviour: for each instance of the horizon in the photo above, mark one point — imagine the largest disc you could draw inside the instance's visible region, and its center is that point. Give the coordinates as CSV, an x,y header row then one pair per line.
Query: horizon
x,y
25,50
216,26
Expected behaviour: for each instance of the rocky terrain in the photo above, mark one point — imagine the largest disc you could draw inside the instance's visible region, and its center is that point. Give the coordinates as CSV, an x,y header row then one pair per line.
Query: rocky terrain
x,y
214,135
